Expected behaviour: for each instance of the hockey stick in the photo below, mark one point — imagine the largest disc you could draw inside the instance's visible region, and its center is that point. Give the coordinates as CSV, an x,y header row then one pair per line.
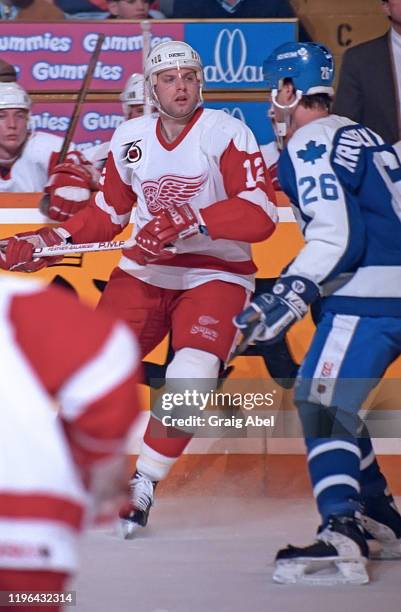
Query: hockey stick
x,y
146,38
88,247
44,203
85,247
247,337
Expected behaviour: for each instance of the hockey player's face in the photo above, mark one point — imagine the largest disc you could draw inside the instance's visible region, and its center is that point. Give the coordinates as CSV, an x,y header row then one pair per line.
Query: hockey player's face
x,y
13,131
135,111
177,91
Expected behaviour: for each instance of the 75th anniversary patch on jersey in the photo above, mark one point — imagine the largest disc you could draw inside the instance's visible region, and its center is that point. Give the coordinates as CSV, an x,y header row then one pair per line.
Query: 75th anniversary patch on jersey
x,y
132,152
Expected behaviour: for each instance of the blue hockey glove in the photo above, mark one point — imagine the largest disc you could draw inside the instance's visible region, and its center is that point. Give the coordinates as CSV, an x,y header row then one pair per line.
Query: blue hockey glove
x,y
270,315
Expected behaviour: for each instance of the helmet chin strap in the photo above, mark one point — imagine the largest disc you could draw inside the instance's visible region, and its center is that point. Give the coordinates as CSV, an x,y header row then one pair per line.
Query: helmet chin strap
x,y
281,128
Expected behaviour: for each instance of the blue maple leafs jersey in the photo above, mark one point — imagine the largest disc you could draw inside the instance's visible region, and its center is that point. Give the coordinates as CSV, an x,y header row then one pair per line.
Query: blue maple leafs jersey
x,y
344,185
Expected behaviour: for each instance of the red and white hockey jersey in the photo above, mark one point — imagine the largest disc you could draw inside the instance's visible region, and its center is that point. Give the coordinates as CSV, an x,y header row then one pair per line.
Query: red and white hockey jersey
x,y
55,349
216,166
30,172
271,156
97,155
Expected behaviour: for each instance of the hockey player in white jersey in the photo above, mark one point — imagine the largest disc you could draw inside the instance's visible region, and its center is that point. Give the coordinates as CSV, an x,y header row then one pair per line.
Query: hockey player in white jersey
x,y
202,197
58,473
133,103
28,159
344,186
133,96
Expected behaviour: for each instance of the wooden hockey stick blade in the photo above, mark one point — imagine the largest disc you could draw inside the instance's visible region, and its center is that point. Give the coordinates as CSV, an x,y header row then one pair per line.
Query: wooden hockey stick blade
x,y
45,201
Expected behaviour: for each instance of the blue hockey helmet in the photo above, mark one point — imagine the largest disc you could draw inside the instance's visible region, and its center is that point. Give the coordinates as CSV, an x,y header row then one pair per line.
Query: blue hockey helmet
x,y
309,65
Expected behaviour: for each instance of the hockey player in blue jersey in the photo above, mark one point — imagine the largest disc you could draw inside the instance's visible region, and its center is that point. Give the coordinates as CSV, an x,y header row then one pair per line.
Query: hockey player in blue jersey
x,y
345,189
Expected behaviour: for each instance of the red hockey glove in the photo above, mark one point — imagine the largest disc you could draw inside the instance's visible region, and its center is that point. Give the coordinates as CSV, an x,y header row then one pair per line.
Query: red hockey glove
x,y
168,225
273,172
144,257
70,185
18,253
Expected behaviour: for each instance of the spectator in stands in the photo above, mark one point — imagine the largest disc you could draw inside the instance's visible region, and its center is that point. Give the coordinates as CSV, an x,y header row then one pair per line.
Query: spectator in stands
x,y
236,9
8,73
30,10
83,9
165,6
369,90
132,9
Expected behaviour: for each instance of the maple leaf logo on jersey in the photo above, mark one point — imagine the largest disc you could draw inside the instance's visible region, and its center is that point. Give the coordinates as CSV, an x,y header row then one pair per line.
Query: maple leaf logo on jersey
x,y
312,152
171,189
132,152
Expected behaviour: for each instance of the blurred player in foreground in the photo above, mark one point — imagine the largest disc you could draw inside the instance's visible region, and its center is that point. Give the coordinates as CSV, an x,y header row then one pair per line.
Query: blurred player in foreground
x,y
202,197
58,472
345,188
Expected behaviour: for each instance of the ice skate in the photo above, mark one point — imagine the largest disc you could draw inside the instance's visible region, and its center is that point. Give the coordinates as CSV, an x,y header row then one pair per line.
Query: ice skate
x,y
338,556
135,513
382,523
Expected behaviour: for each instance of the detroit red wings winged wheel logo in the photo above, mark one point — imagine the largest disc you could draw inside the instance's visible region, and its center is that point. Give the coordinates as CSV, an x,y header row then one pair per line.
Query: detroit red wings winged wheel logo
x,y
171,189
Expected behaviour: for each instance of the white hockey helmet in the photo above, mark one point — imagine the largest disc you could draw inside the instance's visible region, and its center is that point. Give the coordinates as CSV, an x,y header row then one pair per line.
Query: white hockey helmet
x,y
167,56
13,95
133,93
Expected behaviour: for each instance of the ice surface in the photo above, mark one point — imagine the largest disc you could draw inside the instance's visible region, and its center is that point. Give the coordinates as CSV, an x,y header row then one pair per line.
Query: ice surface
x,y
215,554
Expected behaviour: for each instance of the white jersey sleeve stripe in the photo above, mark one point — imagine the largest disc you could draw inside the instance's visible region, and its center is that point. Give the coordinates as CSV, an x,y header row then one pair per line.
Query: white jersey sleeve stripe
x,y
115,218
259,198
101,375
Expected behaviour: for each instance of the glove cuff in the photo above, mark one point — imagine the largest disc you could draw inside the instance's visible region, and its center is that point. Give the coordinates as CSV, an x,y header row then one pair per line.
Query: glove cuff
x,y
62,233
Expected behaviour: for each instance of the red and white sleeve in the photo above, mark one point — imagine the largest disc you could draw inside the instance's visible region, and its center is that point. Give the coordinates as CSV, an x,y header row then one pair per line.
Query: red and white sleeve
x,y
249,213
88,363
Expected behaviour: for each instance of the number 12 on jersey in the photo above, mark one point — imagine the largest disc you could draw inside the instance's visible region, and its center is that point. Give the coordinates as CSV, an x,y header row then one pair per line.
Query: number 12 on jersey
x,y
254,172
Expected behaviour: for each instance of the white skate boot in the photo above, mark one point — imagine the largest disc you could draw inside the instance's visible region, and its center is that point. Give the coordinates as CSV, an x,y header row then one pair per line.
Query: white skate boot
x,y
135,514
338,556
381,521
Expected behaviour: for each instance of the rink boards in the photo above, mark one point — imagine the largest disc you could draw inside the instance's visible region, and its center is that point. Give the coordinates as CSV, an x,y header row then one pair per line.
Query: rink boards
x,y
84,274
19,212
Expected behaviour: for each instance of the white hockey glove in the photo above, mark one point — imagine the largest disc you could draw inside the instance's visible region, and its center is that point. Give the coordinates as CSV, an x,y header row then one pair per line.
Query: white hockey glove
x,y
270,315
